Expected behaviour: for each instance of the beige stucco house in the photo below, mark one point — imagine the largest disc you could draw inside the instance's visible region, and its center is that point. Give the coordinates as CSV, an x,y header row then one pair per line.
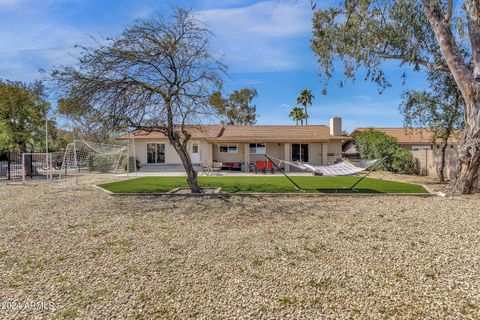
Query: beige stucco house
x,y
242,146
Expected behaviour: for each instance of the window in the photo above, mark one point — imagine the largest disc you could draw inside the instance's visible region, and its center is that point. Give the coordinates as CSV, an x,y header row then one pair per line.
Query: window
x,y
228,149
420,148
195,148
258,148
155,153
300,152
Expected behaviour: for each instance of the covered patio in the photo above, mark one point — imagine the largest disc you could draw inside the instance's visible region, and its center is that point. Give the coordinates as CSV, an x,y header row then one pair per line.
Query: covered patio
x,y
245,156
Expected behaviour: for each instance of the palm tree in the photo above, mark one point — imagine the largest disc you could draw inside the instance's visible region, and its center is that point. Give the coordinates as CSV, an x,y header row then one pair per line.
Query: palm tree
x,y
305,98
297,114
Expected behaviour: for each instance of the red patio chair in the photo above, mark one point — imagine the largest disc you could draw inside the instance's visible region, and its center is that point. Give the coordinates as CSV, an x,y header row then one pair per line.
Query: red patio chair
x,y
270,166
260,167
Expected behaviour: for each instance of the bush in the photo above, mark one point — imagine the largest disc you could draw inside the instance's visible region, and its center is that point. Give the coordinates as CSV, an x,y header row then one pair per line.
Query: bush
x,y
132,159
403,162
102,163
373,144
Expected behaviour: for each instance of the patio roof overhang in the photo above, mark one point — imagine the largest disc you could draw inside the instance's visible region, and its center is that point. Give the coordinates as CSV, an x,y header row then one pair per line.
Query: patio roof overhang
x,y
278,140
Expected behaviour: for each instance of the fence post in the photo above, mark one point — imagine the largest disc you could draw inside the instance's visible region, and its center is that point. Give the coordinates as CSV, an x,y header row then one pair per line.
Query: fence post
x,y
23,169
9,161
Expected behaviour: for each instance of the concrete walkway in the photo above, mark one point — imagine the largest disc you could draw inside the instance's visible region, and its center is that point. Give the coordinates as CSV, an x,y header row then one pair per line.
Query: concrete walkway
x,y
171,173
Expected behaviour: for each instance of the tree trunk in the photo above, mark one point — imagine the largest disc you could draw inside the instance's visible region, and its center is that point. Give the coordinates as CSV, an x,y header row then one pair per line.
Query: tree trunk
x,y
441,173
187,165
306,115
466,173
468,163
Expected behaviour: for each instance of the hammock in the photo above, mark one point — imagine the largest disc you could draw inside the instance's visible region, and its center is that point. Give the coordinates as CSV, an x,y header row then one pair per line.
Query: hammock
x,y
343,168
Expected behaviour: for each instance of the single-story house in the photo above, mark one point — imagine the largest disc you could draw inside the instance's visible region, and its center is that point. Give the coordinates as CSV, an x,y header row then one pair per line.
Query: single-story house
x,y
241,146
412,139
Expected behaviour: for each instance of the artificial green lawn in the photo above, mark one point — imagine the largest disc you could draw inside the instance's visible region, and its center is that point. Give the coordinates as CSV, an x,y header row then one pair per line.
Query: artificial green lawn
x,y
263,184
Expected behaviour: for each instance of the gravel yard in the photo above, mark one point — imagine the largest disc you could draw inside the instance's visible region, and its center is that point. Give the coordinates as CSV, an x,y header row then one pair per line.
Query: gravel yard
x,y
92,255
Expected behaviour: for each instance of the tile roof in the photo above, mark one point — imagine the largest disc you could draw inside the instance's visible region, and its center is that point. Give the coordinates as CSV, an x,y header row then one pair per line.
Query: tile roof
x,y
256,133
203,131
273,133
411,135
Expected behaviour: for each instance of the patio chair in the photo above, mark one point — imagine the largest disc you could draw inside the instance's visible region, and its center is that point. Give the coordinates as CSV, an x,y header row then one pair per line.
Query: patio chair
x,y
206,170
270,166
217,168
260,166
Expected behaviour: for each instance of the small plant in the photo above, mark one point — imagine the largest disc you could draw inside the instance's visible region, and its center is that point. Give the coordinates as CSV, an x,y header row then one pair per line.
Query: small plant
x,y
61,258
286,300
469,306
323,284
431,275
171,289
257,262
143,297
69,313
31,265
133,270
312,250
72,227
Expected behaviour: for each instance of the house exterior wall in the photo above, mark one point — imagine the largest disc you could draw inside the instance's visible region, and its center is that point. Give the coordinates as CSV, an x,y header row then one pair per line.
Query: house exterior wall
x,y
334,152
228,157
171,155
276,150
316,152
210,152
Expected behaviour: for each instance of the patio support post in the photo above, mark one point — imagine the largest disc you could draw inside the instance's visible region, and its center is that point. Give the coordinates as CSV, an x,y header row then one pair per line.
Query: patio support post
x,y
209,159
246,154
324,154
287,157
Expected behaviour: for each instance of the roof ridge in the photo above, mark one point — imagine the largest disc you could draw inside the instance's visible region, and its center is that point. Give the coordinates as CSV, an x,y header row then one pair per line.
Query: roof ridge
x,y
275,125
429,128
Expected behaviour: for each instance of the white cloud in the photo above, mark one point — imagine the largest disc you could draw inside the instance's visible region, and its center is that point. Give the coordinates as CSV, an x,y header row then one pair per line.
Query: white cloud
x,y
48,44
261,37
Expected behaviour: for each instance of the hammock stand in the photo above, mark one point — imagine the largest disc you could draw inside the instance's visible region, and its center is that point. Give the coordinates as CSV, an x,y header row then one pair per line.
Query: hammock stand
x,y
351,188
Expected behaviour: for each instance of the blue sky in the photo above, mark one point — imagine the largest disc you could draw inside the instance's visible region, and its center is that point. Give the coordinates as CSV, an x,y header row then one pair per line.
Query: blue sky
x,y
265,44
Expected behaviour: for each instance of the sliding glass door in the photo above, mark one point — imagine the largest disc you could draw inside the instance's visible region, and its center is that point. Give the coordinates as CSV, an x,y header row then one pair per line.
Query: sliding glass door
x,y
300,152
155,153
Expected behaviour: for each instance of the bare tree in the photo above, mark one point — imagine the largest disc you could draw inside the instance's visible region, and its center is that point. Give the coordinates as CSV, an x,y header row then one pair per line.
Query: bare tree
x,y
157,76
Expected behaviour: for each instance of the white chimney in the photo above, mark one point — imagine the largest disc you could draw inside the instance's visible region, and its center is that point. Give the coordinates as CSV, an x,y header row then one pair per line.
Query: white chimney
x,y
336,126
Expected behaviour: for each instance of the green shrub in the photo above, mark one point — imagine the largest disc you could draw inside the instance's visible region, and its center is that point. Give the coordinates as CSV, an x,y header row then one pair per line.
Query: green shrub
x,y
132,159
102,163
373,144
403,162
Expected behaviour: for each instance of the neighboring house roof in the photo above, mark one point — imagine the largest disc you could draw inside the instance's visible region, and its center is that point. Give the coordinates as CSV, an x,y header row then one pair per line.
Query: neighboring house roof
x,y
411,135
255,133
350,149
